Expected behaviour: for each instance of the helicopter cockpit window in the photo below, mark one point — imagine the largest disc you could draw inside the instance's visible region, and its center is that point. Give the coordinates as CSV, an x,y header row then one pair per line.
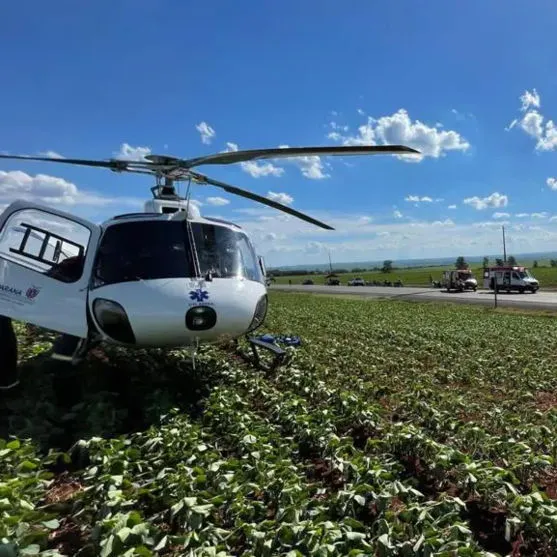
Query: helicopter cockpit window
x,y
143,250
225,253
46,243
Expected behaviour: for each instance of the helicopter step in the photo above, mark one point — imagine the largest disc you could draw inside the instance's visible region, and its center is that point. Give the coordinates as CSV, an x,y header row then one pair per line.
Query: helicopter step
x,y
278,353
71,349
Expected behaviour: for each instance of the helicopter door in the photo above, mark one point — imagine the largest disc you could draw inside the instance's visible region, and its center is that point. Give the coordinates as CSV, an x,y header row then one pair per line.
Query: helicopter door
x,y
45,264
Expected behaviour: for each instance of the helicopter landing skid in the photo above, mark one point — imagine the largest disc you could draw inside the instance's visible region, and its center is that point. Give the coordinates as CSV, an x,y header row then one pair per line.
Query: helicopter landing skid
x,y
278,353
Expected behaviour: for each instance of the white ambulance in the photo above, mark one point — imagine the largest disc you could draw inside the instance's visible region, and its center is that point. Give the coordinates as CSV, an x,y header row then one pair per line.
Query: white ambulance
x,y
510,278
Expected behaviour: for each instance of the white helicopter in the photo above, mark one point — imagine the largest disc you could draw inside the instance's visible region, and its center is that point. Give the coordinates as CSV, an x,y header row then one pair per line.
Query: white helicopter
x,y
167,277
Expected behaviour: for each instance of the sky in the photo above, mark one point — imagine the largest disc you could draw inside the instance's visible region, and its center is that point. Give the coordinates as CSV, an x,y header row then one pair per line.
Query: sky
x,y
473,88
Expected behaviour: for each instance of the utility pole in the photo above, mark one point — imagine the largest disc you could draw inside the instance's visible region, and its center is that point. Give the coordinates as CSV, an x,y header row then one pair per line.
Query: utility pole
x,y
504,247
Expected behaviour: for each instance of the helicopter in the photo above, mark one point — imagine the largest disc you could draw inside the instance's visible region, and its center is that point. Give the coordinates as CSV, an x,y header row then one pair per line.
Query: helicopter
x,y
166,277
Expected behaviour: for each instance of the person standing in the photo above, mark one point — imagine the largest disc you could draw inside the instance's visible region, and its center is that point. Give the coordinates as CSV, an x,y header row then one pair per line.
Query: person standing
x,y
8,354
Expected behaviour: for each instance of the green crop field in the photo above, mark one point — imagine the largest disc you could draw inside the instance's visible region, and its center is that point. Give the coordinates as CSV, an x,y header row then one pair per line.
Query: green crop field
x,y
419,276
396,429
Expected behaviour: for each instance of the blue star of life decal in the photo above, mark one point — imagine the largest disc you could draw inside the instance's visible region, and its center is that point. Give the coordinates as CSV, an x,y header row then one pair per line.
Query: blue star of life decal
x,y
199,295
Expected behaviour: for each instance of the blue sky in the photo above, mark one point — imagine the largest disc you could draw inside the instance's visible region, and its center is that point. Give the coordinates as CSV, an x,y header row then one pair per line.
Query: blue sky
x,y
473,88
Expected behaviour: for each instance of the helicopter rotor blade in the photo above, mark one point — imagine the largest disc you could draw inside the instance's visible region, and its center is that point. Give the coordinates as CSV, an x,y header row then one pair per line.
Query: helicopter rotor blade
x,y
230,157
111,164
266,201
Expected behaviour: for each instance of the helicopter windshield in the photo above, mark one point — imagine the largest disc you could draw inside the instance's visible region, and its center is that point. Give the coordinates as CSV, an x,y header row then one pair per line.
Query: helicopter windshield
x,y
145,250
225,253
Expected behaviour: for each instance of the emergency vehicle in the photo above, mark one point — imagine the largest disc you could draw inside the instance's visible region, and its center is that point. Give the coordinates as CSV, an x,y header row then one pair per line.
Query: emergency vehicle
x,y
459,279
510,278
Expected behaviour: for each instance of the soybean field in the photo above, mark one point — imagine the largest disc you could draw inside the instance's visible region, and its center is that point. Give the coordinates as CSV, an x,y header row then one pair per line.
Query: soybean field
x,y
395,429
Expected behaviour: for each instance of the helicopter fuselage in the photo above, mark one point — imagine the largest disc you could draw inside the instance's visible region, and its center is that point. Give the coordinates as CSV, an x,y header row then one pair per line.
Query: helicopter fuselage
x,y
143,280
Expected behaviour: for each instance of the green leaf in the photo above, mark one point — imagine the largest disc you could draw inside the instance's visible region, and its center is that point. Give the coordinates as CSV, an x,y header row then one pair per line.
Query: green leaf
x,y
162,544
33,549
124,533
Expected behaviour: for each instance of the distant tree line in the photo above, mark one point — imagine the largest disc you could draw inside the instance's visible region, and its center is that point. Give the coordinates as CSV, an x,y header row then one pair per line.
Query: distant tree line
x,y
461,262
388,267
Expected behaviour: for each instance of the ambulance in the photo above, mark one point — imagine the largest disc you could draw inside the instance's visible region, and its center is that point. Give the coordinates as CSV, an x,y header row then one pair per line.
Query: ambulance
x,y
510,278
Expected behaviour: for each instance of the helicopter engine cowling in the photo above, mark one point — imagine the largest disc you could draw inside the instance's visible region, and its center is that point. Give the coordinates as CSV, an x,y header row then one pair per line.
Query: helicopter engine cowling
x,y
177,311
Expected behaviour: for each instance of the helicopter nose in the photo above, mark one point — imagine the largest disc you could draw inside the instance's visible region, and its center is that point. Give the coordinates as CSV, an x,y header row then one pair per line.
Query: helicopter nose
x,y
229,308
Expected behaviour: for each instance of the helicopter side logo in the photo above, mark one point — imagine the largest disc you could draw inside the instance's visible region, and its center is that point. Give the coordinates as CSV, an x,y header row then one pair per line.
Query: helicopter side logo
x,y
199,295
32,292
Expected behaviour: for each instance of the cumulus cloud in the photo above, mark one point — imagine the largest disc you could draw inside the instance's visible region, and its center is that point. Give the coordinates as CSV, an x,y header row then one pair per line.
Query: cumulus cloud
x,y
217,201
283,198
551,183
533,123
495,200
501,215
397,214
398,128
256,169
129,153
418,199
451,207
311,166
206,131
298,243
53,191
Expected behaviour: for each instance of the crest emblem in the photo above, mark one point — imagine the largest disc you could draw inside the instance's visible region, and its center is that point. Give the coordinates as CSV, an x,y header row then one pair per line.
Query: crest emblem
x,y
32,292
199,295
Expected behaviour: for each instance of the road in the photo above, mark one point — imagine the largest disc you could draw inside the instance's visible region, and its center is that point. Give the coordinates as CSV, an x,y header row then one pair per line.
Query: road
x,y
539,301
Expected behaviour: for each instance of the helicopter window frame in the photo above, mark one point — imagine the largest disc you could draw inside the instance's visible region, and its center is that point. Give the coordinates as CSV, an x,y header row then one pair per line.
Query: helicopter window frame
x,y
55,266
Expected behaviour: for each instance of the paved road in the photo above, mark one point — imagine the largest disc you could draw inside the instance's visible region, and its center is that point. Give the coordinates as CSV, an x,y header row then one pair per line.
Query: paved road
x,y
540,301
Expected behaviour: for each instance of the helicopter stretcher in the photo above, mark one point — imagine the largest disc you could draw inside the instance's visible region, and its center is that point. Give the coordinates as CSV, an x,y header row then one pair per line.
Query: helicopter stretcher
x,y
167,277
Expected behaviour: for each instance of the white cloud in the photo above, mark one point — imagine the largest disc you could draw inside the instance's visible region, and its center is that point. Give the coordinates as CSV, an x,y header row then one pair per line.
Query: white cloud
x,y
397,214
51,154
529,99
283,198
53,191
552,183
206,131
217,201
532,122
418,199
311,166
446,222
256,169
451,207
129,153
542,215
494,200
501,215
398,128
297,243
490,224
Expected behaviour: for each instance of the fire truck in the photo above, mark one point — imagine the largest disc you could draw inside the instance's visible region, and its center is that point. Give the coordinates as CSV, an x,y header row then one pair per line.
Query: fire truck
x,y
459,279
510,278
